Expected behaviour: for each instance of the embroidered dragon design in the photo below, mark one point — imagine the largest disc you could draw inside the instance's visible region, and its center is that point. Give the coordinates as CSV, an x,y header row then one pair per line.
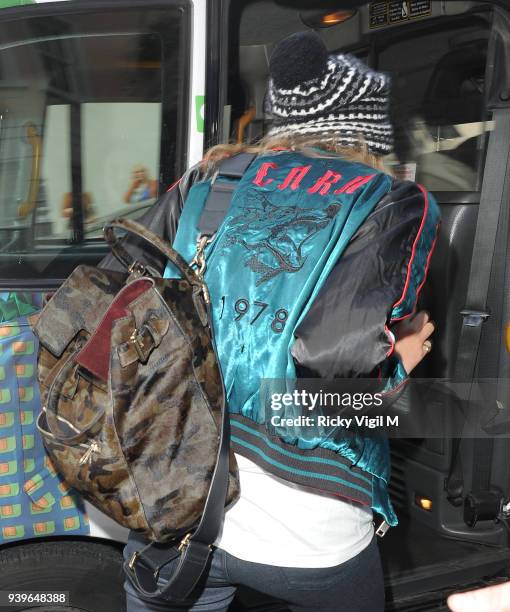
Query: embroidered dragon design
x,y
279,234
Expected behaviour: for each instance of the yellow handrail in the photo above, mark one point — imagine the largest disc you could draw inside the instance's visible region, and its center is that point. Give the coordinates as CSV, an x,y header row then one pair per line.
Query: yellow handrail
x,y
244,121
25,208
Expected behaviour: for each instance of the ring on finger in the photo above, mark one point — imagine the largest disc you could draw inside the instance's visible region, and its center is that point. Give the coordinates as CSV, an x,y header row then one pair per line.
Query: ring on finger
x,y
427,346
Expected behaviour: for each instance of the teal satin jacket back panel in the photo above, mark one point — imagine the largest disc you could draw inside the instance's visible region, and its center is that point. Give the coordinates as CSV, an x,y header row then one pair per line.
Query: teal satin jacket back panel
x,y
290,219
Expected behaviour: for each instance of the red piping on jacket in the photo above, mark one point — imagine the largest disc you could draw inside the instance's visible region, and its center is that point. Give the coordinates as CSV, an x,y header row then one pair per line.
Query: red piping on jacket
x,y
172,186
413,253
428,262
395,389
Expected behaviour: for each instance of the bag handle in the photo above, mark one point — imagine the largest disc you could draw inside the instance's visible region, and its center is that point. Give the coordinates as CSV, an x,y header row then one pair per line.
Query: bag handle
x,y
133,227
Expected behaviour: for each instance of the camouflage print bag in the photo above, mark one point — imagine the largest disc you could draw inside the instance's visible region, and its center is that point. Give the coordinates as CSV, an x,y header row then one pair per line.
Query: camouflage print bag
x,y
133,401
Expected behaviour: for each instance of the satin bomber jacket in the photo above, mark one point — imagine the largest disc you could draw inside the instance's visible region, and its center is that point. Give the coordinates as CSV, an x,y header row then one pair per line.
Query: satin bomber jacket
x,y
345,331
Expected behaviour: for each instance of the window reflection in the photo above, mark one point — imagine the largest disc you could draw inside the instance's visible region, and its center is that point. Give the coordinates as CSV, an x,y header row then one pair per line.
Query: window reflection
x,y
438,105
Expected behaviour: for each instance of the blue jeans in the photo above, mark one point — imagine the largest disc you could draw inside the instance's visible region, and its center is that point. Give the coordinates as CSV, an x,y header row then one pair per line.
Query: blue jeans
x,y
354,586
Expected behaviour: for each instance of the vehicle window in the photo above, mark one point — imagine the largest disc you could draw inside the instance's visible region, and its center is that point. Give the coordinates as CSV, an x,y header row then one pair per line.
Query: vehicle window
x,y
83,102
437,60
438,103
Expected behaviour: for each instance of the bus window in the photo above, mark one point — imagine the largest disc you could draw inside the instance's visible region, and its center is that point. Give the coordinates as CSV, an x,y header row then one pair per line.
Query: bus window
x,y
115,136
83,102
438,103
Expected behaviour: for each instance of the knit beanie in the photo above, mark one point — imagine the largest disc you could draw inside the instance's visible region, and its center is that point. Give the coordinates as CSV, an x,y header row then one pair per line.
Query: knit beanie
x,y
335,97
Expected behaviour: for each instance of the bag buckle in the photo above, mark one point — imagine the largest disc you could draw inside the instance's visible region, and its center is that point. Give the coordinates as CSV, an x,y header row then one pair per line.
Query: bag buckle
x,y
138,344
133,560
382,529
199,259
474,318
137,269
184,542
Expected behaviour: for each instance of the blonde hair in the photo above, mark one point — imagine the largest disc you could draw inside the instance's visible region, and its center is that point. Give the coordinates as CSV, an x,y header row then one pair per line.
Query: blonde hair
x,y
313,146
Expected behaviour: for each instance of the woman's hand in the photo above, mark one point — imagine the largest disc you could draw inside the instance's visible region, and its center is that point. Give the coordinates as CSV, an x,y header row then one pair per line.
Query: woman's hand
x,y
412,342
489,599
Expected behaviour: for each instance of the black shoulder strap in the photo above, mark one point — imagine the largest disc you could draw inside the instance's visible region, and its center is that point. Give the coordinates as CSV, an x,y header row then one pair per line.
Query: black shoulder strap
x,y
194,550
495,190
221,192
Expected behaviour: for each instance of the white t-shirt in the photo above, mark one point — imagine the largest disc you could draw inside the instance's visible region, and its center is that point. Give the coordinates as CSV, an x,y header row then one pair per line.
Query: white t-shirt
x,y
279,523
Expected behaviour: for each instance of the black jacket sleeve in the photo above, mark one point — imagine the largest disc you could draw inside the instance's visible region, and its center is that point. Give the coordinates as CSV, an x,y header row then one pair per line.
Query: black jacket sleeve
x,y
377,280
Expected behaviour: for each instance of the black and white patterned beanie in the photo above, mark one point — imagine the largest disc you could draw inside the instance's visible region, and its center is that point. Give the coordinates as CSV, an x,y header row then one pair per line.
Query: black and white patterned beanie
x,y
335,97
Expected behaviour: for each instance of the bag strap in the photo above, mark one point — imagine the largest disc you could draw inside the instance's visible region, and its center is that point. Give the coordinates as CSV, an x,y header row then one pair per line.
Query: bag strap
x,y
133,227
221,193
195,548
217,203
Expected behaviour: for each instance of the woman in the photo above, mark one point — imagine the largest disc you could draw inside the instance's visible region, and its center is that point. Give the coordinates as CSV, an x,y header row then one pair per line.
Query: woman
x,y
142,187
315,271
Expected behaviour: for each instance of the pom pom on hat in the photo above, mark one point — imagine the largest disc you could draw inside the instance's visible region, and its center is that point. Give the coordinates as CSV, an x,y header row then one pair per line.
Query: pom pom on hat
x,y
298,58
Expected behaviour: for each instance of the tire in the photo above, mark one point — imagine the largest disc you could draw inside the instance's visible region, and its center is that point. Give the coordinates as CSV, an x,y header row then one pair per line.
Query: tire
x,y
91,572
